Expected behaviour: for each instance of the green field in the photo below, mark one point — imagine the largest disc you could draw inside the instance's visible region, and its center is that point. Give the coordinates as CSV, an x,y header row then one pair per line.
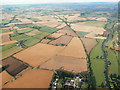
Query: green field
x,y
97,64
20,37
95,23
8,50
25,31
5,30
41,35
47,29
112,56
24,26
31,42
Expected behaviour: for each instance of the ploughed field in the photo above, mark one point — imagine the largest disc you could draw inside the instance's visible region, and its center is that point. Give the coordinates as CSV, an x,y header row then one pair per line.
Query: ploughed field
x,y
13,66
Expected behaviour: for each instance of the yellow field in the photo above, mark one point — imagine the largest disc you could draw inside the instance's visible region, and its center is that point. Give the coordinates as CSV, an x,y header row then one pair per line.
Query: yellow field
x,y
32,79
74,49
4,78
38,54
70,64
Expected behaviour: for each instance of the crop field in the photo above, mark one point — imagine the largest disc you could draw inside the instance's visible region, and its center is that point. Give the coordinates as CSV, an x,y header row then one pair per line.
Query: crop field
x,y
67,31
35,58
4,30
89,43
47,29
25,30
93,31
45,41
13,65
63,40
8,50
41,35
5,38
33,33
30,42
56,35
4,78
97,63
70,64
61,26
95,23
20,37
25,25
74,49
40,79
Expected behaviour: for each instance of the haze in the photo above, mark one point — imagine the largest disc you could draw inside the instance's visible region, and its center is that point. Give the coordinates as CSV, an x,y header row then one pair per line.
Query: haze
x,y
6,2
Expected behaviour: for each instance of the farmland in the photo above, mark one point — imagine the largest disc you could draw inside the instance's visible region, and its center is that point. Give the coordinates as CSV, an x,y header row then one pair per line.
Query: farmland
x,y
68,45
42,76
70,64
40,57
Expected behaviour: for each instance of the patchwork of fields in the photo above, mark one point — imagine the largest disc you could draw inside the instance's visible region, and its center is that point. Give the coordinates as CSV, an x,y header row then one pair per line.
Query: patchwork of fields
x,y
38,44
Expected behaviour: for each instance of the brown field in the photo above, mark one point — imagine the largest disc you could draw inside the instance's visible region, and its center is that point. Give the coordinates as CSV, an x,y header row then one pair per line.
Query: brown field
x,y
38,54
70,64
5,39
74,49
56,35
45,41
4,78
67,31
93,31
89,43
14,66
61,26
63,40
32,79
32,33
48,21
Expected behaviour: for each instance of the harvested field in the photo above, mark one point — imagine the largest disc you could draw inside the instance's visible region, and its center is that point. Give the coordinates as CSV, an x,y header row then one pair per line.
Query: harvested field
x,y
56,35
40,79
63,40
48,21
45,41
67,31
93,31
32,33
61,26
74,49
14,66
4,78
38,54
89,43
5,39
70,64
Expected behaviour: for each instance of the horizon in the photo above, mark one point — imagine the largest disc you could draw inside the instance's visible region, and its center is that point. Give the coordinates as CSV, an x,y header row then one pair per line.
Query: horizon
x,y
20,2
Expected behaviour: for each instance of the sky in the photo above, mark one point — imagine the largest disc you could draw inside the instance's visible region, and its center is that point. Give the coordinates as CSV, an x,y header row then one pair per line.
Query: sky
x,y
6,2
